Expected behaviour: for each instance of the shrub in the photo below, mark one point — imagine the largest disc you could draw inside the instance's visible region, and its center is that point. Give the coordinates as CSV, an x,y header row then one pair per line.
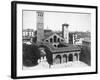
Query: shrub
x,y
31,54
49,56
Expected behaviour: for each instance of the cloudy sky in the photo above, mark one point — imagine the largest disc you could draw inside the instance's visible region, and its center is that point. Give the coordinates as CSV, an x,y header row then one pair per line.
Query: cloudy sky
x,y
54,20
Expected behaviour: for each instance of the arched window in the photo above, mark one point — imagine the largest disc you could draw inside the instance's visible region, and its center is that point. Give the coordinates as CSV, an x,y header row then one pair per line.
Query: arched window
x,y
58,39
51,40
55,38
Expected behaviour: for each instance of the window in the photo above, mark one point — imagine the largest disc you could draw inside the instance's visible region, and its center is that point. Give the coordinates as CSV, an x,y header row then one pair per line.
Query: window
x,y
47,41
51,40
58,39
55,38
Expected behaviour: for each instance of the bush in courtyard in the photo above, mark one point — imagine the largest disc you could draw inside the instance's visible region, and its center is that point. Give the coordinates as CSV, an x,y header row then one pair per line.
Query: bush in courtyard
x,y
31,54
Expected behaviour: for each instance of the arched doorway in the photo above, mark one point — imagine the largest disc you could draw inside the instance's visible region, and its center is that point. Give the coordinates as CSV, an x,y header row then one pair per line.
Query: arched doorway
x,y
70,57
58,59
64,58
76,57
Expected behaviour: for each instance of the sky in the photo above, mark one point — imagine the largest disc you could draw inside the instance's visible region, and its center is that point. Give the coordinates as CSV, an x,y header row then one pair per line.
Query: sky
x,y
54,20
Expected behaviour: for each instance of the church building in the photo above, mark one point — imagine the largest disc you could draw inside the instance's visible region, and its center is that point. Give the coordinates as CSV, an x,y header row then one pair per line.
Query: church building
x,y
62,51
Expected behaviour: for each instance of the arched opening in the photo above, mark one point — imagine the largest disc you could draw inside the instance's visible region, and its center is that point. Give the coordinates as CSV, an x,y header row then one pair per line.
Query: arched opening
x,y
76,57
70,57
58,39
58,59
64,58
55,38
51,40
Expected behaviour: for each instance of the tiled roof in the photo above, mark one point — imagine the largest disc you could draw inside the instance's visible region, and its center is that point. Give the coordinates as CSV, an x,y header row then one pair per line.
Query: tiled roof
x,y
69,47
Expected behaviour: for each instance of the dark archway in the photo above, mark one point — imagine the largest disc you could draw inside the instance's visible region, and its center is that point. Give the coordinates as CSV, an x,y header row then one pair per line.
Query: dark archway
x,y
58,59
51,40
58,39
64,58
70,57
55,38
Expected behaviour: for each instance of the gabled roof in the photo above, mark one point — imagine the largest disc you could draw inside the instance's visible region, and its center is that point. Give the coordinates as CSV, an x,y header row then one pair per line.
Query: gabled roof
x,y
51,34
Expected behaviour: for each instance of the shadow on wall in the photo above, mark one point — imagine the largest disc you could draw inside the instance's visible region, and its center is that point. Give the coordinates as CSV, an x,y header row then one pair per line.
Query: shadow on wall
x,y
85,55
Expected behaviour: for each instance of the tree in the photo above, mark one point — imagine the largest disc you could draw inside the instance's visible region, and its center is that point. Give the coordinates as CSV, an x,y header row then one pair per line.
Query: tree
x,y
34,39
49,57
31,54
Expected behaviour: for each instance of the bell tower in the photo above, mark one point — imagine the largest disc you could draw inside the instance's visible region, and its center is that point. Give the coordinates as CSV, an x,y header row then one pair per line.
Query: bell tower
x,y
40,25
65,32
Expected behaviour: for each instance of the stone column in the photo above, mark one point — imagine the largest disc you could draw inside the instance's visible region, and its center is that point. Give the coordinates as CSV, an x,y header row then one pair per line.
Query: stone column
x,y
73,57
61,58
78,56
67,57
53,59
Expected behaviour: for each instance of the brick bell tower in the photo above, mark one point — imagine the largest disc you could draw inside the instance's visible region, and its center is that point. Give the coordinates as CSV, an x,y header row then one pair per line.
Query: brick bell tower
x,y
65,32
40,25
